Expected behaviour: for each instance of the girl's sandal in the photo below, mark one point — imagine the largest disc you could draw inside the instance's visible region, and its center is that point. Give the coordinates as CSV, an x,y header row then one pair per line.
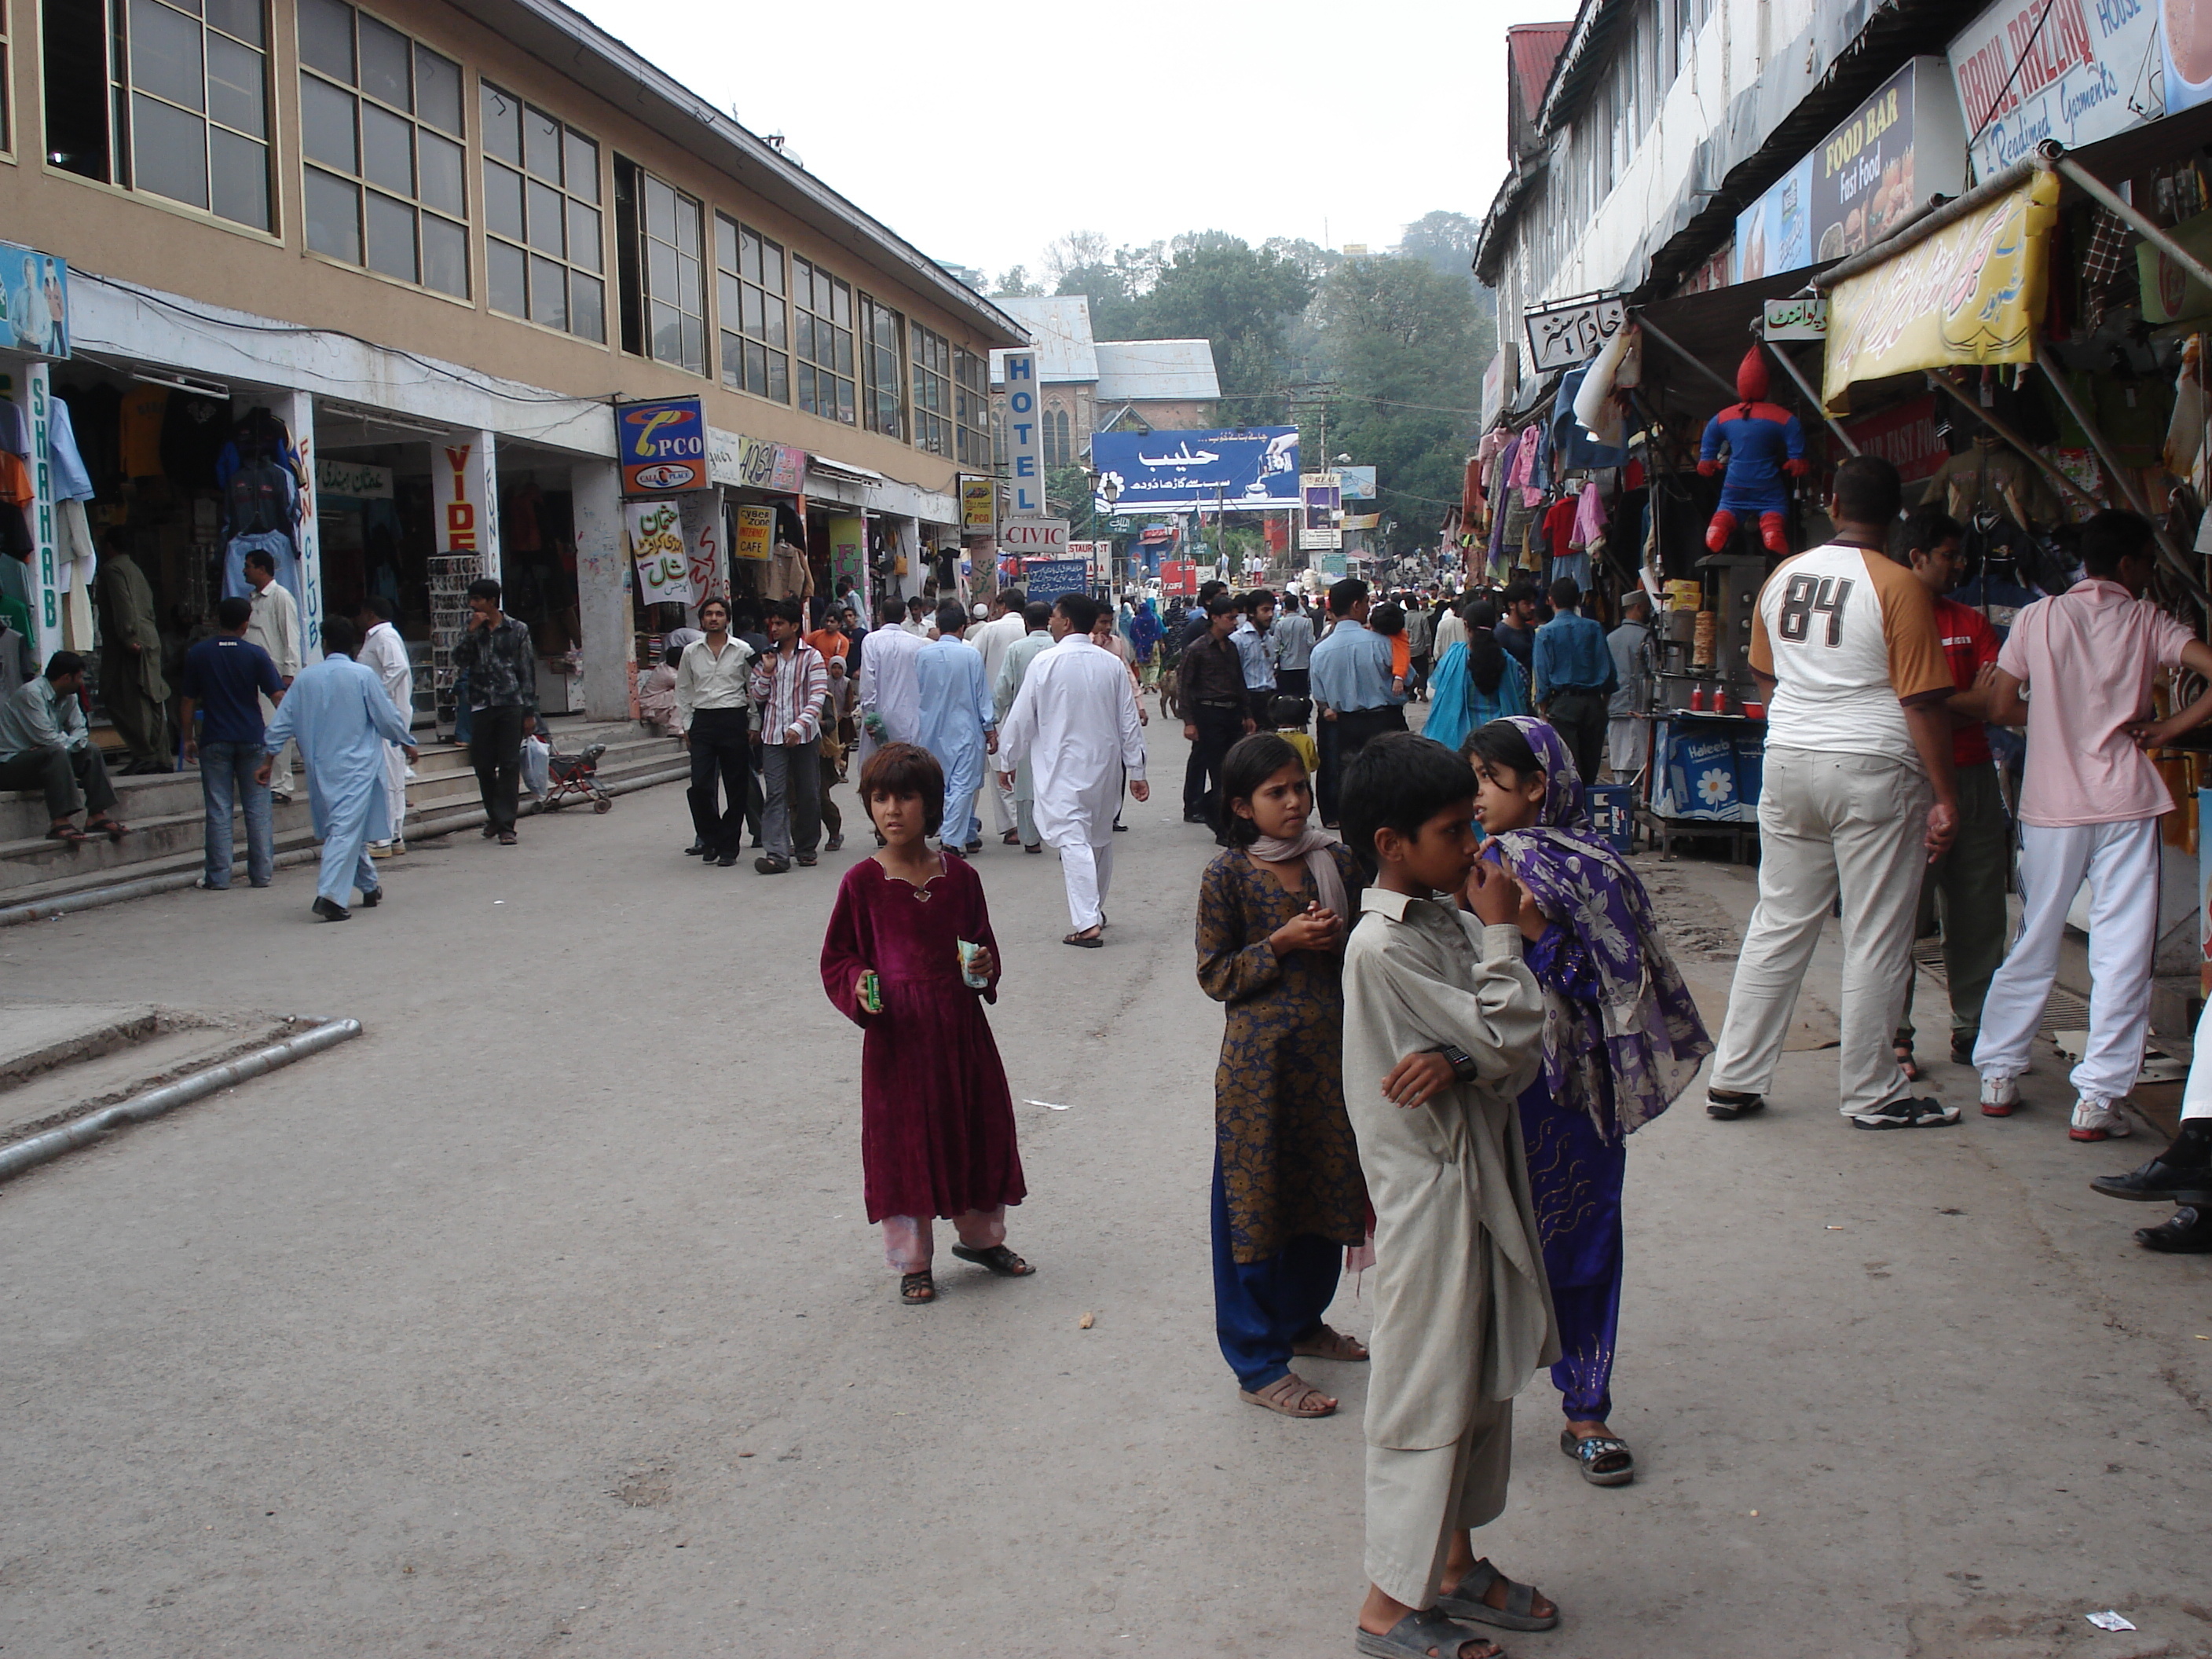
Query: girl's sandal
x,y
914,1289
1290,1395
997,1258
1605,1461
1328,1343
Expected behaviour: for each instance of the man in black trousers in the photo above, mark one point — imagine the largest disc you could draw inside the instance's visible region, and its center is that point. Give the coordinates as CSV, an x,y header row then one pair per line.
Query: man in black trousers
x,y
1193,772
1217,710
712,705
502,669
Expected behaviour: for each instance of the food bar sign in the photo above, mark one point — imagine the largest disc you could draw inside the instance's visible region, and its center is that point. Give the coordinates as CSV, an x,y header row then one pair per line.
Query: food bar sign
x,y
1572,332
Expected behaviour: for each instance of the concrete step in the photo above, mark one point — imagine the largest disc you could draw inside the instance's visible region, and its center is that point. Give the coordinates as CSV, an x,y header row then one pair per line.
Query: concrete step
x,y
156,1051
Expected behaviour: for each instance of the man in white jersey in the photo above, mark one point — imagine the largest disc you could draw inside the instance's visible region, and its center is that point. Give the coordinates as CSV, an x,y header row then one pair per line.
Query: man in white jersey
x,y
1857,795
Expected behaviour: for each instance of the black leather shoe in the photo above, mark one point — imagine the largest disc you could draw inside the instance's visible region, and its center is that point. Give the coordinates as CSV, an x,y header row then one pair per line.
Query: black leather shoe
x,y
2160,1182
694,849
331,911
727,861
2188,1231
372,898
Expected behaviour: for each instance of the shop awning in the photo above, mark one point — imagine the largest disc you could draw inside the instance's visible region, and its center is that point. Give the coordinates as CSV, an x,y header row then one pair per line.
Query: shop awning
x,y
1714,329
842,471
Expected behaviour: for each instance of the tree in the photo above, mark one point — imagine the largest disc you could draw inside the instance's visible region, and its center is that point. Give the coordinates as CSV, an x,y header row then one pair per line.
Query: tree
x,y
1243,300
1015,284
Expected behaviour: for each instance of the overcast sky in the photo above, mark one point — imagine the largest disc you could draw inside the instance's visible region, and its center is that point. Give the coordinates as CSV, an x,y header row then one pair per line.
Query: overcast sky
x,y
980,129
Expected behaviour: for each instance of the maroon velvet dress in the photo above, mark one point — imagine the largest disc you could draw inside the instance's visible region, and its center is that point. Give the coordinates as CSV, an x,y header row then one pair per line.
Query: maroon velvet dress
x,y
936,1125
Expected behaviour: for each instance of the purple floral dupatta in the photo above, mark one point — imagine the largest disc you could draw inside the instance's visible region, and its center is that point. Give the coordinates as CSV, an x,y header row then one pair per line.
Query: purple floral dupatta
x,y
1648,1036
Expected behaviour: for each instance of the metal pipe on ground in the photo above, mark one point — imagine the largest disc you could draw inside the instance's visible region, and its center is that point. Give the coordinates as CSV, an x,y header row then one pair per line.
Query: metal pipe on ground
x,y
92,898
44,1148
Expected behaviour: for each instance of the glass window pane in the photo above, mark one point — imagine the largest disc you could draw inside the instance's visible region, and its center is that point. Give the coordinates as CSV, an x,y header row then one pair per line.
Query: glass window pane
x,y
333,209
503,277
694,345
587,307
165,54
690,285
843,314
756,365
772,307
667,333
748,310
387,150
805,335
438,90
444,256
771,265
747,245
541,145
546,212
391,237
326,125
235,95
500,118
660,271
384,63
240,183
549,294
844,351
584,236
806,388
169,149
845,401
441,168
725,244
240,17
660,208
326,38
502,200
778,377
687,226
726,290
581,173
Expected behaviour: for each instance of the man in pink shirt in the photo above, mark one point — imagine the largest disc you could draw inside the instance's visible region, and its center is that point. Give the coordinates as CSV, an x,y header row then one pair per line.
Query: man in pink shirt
x,y
2089,807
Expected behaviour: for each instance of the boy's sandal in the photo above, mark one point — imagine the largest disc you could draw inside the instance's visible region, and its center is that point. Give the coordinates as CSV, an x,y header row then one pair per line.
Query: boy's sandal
x,y
1329,1343
69,833
1605,1461
997,1258
1291,1395
914,1289
1465,1601
107,827
1085,941
1432,1633
1906,1062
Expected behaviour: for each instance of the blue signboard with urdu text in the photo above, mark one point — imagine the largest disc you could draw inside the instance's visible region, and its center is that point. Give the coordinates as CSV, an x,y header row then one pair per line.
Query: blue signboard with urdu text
x,y
1242,470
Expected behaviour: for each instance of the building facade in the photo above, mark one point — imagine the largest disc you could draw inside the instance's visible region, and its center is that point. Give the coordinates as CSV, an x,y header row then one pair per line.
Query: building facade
x,y
436,240
1090,385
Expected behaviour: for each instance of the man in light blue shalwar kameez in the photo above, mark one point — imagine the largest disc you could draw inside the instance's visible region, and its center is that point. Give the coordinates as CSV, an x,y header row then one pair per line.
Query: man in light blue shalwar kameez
x,y
956,716
341,716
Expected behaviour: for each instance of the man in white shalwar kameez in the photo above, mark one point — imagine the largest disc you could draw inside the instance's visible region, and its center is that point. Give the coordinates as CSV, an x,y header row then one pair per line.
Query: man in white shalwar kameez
x,y
959,724
994,639
891,697
1037,618
384,653
1075,722
342,718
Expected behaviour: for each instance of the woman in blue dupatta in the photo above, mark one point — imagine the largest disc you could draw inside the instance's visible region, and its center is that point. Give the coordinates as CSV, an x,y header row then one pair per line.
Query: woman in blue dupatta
x,y
1622,1038
1144,632
1474,682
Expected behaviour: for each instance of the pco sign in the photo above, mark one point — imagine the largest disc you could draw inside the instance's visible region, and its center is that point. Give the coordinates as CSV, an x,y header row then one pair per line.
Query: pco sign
x,y
662,446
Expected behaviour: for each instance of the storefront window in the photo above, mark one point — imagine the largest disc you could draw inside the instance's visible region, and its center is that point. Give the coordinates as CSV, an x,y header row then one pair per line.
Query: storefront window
x,y
932,391
169,99
825,343
885,367
545,246
380,126
755,323
971,410
6,113
664,294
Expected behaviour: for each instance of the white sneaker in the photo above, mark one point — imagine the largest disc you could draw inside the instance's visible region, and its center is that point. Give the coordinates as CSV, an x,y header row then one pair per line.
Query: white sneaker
x,y
2098,1120
2000,1097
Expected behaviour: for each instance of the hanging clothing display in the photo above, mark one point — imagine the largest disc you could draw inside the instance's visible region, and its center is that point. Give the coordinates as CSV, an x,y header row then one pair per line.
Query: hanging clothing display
x,y
79,568
65,467
145,409
14,437
193,432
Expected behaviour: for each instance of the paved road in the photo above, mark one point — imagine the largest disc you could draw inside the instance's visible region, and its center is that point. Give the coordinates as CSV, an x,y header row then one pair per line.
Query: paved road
x,y
542,1319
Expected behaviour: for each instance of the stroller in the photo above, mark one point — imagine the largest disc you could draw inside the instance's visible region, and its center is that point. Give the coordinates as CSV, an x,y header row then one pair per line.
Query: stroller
x,y
576,777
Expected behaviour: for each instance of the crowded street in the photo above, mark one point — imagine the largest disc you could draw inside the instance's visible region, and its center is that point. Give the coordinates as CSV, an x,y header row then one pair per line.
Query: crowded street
x,y
543,1318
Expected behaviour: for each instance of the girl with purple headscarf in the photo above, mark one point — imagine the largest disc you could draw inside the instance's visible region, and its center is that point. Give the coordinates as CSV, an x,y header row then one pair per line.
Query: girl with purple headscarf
x,y
1622,1038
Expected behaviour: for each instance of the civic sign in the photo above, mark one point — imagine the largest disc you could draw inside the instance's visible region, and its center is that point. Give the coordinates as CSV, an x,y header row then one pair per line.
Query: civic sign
x,y
1572,332
1240,470
1035,538
662,446
2075,71
1025,434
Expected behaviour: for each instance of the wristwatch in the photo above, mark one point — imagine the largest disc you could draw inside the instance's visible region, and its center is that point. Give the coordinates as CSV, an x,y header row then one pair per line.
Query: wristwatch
x,y
1463,1063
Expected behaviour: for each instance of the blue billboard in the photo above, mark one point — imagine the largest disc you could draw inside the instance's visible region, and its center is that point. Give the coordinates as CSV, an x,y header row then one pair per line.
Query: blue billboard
x,y
1046,579
1180,471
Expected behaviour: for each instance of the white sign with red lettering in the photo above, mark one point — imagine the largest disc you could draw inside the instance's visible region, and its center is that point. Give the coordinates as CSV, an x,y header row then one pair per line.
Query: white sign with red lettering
x,y
1035,538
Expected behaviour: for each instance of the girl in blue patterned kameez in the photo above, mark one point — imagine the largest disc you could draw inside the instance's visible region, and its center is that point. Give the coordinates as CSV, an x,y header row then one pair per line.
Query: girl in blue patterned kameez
x,y
1622,1038
1288,1197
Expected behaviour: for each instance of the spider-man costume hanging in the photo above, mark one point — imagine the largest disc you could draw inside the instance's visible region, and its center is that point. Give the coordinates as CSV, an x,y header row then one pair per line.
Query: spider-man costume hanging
x,y
1764,442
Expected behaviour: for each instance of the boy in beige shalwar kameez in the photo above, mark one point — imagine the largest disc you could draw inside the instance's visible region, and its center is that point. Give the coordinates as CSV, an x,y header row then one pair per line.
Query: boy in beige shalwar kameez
x,y
1442,1023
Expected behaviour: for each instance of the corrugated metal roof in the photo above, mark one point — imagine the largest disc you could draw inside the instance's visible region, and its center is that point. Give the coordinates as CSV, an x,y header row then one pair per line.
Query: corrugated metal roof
x,y
1533,48
1152,371
1059,327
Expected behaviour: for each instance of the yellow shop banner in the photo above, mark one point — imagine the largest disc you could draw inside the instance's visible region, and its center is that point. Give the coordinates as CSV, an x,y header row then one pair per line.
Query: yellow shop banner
x,y
1972,293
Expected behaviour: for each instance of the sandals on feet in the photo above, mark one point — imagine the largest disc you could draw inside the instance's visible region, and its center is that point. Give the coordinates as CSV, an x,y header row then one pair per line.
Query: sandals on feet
x,y
106,826
914,1289
1432,1633
1085,941
997,1258
1605,1461
1329,1343
1465,1601
1291,1395
69,833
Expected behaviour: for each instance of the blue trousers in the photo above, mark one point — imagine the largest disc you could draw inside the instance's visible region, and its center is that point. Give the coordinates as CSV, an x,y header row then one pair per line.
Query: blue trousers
x,y
1261,1307
227,780
346,863
1575,1177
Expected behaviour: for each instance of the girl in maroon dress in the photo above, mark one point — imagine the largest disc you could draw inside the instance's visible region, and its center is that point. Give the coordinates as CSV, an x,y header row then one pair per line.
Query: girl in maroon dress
x,y
911,935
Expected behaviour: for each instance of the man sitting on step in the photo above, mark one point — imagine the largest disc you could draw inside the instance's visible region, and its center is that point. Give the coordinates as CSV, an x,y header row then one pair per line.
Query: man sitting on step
x,y
44,744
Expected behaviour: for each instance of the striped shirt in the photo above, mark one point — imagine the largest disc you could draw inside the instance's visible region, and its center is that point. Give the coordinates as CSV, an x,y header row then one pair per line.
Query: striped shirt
x,y
788,691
